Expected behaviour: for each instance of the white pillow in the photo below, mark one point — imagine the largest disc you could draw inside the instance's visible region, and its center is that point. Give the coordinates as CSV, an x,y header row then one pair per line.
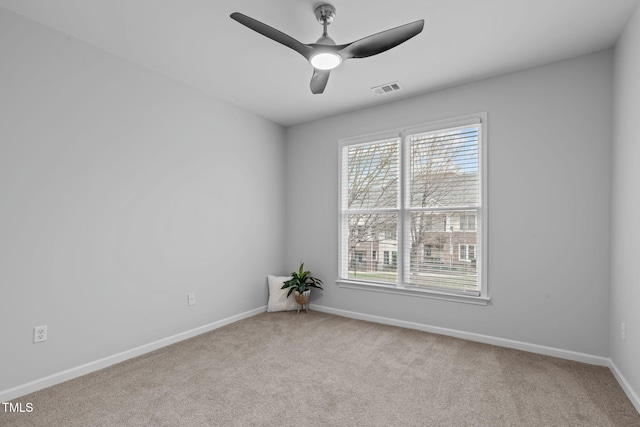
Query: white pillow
x,y
278,300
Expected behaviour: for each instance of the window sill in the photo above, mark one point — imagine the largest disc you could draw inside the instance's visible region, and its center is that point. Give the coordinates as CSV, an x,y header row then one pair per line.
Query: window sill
x,y
423,293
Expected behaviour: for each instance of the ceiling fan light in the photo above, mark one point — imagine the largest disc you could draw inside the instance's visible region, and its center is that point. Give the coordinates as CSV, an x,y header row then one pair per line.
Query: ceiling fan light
x,y
325,60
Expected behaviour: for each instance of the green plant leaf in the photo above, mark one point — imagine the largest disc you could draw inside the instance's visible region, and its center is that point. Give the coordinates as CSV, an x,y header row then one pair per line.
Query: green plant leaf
x,y
301,281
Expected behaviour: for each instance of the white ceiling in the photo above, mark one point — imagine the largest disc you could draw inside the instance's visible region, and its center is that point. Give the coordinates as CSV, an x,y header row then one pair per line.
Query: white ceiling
x,y
196,43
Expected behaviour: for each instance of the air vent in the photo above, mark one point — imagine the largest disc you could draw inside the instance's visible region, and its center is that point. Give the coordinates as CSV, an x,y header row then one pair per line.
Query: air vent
x,y
386,88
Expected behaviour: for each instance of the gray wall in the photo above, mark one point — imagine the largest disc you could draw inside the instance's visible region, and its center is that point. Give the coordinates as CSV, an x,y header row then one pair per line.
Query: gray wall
x,y
549,141
120,192
625,254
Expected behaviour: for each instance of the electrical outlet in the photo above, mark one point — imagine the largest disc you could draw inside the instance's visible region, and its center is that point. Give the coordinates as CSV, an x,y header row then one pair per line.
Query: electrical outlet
x,y
623,331
191,298
40,333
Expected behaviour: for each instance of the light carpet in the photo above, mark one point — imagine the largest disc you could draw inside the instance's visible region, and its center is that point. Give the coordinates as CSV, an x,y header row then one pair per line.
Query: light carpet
x,y
317,369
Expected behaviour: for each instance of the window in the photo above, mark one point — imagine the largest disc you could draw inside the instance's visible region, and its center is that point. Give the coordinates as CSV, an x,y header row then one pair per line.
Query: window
x,y
467,252
419,197
390,258
432,252
467,221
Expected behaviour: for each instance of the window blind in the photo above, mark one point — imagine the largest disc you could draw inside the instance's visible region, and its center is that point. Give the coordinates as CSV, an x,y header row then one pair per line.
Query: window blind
x,y
443,202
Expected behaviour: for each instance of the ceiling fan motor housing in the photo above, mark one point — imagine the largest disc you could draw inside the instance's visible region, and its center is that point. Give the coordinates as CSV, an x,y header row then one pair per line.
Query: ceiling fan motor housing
x,y
325,14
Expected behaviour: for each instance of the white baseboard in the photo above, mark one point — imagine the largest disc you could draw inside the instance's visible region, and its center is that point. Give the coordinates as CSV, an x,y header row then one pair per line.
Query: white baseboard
x,y
486,339
39,384
630,392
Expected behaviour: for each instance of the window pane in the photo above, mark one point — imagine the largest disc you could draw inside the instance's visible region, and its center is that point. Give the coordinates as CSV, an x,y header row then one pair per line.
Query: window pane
x,y
369,235
442,257
372,171
444,168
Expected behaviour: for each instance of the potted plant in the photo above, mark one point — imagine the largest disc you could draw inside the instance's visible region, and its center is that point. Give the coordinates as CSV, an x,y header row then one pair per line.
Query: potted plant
x,y
300,285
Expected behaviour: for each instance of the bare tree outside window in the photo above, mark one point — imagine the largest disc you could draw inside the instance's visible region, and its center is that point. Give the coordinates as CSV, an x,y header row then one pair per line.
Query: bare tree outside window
x,y
372,184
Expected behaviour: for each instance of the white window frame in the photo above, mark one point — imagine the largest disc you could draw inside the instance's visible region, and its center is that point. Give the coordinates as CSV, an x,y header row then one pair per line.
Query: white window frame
x,y
479,297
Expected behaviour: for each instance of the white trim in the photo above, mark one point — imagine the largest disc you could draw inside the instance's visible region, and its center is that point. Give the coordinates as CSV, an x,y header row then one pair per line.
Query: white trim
x,y
469,298
629,391
486,339
402,262
69,374
342,218
482,213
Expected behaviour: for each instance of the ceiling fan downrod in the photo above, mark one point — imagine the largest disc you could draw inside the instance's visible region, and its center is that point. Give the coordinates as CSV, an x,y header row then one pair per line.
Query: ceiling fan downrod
x,y
325,13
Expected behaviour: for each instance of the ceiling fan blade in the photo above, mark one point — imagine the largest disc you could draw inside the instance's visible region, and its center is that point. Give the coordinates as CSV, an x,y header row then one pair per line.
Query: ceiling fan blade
x,y
380,42
272,33
319,80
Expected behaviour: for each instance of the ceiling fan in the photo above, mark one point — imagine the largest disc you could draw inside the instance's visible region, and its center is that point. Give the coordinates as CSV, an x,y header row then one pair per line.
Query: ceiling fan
x,y
324,55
